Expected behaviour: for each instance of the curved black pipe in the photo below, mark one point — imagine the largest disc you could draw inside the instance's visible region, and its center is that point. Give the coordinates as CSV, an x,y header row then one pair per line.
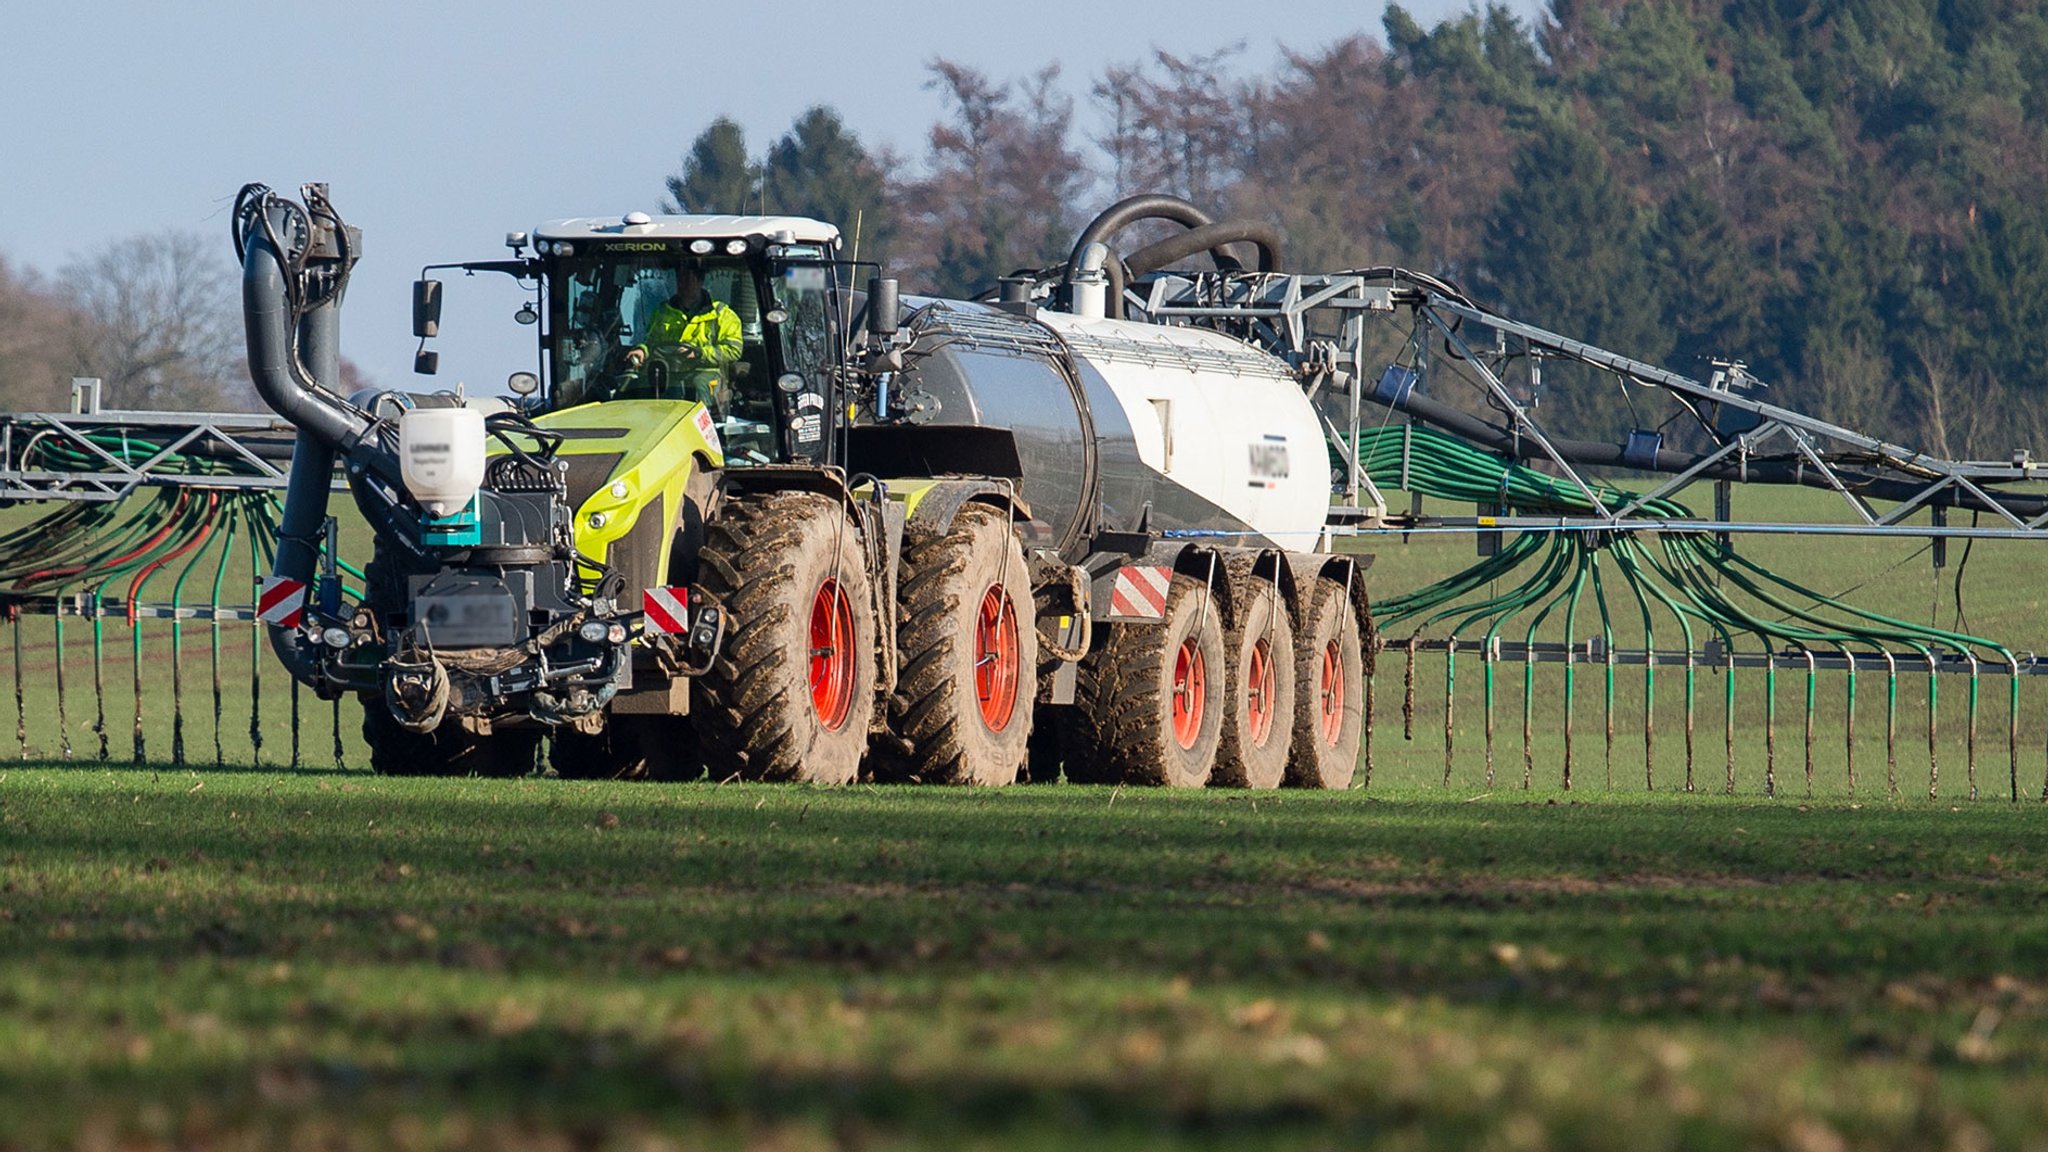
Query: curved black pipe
x,y
1209,238
273,367
1130,210
1794,472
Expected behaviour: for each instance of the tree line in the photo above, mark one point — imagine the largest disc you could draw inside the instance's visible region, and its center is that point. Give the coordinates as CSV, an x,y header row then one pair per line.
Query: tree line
x,y
1841,193
155,317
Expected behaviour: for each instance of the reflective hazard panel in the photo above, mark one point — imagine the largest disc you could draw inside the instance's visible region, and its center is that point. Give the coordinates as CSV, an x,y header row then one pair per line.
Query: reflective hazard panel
x,y
666,610
281,601
709,430
1140,590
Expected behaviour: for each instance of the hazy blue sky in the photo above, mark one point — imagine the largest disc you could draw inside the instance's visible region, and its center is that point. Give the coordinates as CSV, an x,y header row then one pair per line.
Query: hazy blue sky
x,y
443,126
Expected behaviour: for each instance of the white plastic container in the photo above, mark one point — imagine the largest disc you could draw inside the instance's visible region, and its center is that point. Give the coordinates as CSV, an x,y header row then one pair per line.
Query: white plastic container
x,y
441,455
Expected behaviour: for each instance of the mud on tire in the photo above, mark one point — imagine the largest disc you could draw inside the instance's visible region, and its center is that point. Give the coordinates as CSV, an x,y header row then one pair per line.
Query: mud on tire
x,y
1258,712
1149,702
968,652
793,690
1329,691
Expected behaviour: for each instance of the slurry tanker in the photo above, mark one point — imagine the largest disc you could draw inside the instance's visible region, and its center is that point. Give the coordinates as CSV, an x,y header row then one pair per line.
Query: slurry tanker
x,y
881,535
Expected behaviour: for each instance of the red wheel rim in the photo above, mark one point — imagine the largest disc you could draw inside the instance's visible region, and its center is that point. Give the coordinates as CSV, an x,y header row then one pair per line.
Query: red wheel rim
x,y
995,658
831,655
1259,687
1333,693
1190,683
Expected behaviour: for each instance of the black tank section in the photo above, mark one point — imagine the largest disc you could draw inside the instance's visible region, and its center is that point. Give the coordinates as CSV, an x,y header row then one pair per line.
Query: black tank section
x,y
997,394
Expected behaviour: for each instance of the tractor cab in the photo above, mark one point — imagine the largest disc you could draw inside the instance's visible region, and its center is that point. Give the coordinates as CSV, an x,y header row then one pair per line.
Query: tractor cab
x,y
742,314
735,312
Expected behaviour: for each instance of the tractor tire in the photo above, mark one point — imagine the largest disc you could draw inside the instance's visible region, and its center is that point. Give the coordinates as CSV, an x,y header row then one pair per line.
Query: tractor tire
x,y
1329,697
445,751
628,748
792,692
1149,702
1258,713
967,647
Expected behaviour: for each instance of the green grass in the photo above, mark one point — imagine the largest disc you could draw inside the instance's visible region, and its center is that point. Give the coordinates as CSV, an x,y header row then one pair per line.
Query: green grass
x,y
260,957
271,959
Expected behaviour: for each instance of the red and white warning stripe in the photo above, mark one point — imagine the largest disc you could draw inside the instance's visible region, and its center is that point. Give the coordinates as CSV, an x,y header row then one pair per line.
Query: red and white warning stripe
x,y
1140,590
281,601
666,610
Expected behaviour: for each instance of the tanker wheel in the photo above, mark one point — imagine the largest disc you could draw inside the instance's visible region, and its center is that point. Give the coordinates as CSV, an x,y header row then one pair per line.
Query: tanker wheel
x,y
1258,713
627,748
1329,701
792,692
1149,701
445,751
969,655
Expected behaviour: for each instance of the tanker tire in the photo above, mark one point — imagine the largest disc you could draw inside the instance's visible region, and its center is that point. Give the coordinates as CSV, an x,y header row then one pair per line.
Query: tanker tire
x,y
1258,717
781,564
628,748
964,628
445,751
1123,728
1329,698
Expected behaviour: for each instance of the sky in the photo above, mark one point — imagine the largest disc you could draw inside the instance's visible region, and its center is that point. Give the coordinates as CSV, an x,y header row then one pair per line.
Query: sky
x,y
442,126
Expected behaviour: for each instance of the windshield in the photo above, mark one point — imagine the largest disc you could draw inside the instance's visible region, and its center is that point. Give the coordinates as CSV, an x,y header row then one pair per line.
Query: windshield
x,y
660,327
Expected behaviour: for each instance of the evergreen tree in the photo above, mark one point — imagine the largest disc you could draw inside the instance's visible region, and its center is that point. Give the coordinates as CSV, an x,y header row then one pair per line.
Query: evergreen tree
x,y
1564,250
1704,281
1564,245
717,176
819,169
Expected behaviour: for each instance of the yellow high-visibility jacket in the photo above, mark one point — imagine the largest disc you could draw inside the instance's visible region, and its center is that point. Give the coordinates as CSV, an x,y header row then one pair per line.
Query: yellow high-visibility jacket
x,y
714,331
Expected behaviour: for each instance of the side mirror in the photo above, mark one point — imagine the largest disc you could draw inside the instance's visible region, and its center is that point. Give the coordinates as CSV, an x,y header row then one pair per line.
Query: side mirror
x,y
426,309
523,383
426,363
882,306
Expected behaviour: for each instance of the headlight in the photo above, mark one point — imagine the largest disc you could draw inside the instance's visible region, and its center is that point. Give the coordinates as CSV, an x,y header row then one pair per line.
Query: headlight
x,y
335,637
735,247
616,633
593,631
700,247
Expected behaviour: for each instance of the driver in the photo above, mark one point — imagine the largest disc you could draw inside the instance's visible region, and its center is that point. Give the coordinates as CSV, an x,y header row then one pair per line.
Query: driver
x,y
696,331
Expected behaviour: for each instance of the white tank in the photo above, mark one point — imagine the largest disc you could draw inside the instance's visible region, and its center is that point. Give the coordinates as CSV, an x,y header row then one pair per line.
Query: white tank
x,y
1218,417
441,456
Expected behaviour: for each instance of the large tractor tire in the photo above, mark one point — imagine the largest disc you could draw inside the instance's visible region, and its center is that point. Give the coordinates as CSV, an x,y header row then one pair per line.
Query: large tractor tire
x,y
968,652
1258,713
1149,701
445,751
1329,697
792,692
628,748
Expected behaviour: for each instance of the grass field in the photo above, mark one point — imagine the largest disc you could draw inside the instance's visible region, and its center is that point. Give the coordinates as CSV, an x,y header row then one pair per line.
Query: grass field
x,y
259,956
275,959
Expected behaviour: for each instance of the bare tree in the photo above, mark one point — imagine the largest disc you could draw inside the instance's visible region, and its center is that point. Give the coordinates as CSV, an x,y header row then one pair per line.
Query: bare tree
x,y
1001,182
35,338
158,322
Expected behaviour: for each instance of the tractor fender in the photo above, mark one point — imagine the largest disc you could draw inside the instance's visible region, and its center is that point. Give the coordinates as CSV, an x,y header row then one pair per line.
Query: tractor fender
x,y
931,505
